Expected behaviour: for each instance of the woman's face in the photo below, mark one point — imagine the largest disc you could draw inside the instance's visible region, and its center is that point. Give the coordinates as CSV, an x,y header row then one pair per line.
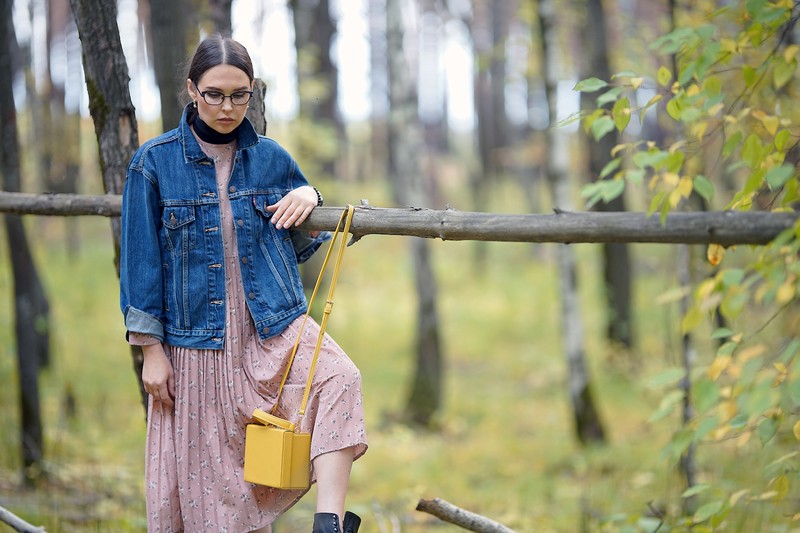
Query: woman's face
x,y
225,79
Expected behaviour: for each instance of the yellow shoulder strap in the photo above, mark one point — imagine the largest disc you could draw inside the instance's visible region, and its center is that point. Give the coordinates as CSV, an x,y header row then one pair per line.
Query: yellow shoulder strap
x,y
342,229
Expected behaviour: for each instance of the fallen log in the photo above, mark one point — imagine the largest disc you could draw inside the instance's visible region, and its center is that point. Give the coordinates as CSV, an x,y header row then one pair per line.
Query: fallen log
x,y
468,520
726,228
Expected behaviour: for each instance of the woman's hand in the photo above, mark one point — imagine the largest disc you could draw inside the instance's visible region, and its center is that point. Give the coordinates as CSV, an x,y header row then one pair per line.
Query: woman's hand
x,y
157,375
294,208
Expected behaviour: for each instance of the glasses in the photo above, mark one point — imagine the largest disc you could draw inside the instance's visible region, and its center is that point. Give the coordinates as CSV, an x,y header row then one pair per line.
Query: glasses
x,y
216,97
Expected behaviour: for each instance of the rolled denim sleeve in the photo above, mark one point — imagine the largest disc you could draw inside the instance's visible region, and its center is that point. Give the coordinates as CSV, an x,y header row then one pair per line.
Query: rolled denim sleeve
x,y
305,245
141,298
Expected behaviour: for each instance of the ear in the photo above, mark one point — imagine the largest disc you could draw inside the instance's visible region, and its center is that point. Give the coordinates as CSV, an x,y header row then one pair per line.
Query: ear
x,y
190,89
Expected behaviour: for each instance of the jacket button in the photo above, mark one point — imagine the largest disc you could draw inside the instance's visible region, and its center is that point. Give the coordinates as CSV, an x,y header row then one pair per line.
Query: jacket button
x,y
232,189
265,331
251,295
244,260
240,222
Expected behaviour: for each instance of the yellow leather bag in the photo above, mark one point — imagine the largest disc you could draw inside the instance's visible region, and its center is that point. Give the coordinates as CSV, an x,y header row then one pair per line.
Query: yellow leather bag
x,y
275,453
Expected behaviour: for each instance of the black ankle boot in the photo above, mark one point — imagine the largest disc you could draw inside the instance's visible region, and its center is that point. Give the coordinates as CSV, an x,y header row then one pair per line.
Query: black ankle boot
x,y
329,523
326,523
351,522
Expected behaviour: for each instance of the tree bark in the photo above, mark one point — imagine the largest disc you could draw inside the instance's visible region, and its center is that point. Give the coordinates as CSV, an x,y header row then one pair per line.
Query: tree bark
x,y
616,256
459,517
588,426
31,308
169,28
405,133
114,117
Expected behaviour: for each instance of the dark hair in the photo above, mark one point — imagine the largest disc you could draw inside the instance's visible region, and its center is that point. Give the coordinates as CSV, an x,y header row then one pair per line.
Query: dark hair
x,y
218,50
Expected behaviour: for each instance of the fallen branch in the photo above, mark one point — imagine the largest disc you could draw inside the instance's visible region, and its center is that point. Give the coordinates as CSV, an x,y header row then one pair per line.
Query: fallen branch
x,y
18,523
465,519
720,227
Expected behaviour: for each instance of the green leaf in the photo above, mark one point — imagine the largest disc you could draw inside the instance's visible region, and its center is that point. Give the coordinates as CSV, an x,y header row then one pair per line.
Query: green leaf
x,y
601,127
697,489
667,377
732,277
721,333
705,394
767,429
703,187
590,85
609,96
777,176
664,76
780,139
656,202
707,511
610,167
732,143
674,109
621,113
783,72
668,403
635,176
612,189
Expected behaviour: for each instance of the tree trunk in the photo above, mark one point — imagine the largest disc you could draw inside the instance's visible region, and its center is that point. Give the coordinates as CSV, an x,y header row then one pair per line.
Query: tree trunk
x,y
112,111
169,28
31,309
404,140
587,421
221,16
616,257
317,76
379,89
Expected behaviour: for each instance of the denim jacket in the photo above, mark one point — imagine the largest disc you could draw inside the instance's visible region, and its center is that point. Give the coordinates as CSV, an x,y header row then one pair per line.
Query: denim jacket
x,y
172,273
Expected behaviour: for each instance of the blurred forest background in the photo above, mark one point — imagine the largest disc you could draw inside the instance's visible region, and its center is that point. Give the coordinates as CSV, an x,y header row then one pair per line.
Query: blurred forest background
x,y
551,387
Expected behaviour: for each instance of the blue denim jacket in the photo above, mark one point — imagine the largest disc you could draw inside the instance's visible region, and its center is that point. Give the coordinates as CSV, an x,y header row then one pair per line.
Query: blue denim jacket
x,y
172,273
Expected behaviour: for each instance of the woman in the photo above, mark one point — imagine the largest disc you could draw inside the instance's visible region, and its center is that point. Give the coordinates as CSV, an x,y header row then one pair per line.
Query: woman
x,y
210,289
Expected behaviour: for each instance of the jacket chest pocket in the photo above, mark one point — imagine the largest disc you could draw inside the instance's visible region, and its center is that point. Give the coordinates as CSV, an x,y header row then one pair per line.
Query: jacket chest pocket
x,y
178,223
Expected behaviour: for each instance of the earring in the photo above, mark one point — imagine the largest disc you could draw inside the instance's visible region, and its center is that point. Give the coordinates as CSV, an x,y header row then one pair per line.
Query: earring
x,y
194,103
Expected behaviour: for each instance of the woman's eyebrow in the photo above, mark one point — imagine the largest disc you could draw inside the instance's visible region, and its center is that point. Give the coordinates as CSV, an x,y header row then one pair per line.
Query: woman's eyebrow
x,y
212,88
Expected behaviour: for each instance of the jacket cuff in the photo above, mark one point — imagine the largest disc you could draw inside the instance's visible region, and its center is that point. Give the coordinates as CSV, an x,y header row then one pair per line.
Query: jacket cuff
x,y
305,245
137,321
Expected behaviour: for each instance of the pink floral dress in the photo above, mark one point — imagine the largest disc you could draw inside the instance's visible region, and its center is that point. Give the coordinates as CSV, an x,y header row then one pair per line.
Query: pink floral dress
x,y
195,453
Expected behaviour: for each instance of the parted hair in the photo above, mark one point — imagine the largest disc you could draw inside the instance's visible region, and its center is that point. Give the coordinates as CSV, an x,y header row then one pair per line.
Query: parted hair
x,y
219,50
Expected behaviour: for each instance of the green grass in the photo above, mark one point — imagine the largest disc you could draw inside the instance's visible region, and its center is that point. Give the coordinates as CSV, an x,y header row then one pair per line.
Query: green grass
x,y
503,445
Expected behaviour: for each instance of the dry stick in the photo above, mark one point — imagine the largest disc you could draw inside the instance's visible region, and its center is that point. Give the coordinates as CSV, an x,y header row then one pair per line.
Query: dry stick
x,y
18,523
455,515
720,227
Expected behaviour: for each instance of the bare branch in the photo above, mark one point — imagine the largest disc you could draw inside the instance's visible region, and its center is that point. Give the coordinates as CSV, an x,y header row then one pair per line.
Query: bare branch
x,y
720,227
466,519
18,523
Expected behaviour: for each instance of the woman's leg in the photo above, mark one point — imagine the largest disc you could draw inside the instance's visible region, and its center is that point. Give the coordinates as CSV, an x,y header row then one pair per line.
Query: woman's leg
x,y
333,477
265,529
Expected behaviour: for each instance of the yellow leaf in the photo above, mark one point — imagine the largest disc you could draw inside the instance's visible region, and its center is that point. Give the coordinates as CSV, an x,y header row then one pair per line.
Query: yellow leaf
x,y
715,253
685,186
671,179
781,485
637,82
744,438
750,352
769,495
717,367
736,496
705,288
618,148
675,198
796,517
677,145
698,129
714,109
693,90
785,292
796,430
692,319
790,52
771,123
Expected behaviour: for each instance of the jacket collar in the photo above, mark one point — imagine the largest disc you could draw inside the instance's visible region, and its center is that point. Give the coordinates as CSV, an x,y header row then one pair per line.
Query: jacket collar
x,y
191,148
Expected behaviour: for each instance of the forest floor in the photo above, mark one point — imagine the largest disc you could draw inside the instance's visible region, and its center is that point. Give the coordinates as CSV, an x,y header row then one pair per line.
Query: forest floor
x,y
503,444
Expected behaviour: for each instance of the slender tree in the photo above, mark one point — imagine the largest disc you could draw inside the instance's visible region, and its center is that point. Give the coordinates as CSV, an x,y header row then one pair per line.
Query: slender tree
x,y
616,256
31,309
170,24
587,420
114,117
405,144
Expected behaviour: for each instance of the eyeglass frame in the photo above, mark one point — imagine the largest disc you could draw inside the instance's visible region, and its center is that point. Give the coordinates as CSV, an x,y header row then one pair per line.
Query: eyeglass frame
x,y
224,96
